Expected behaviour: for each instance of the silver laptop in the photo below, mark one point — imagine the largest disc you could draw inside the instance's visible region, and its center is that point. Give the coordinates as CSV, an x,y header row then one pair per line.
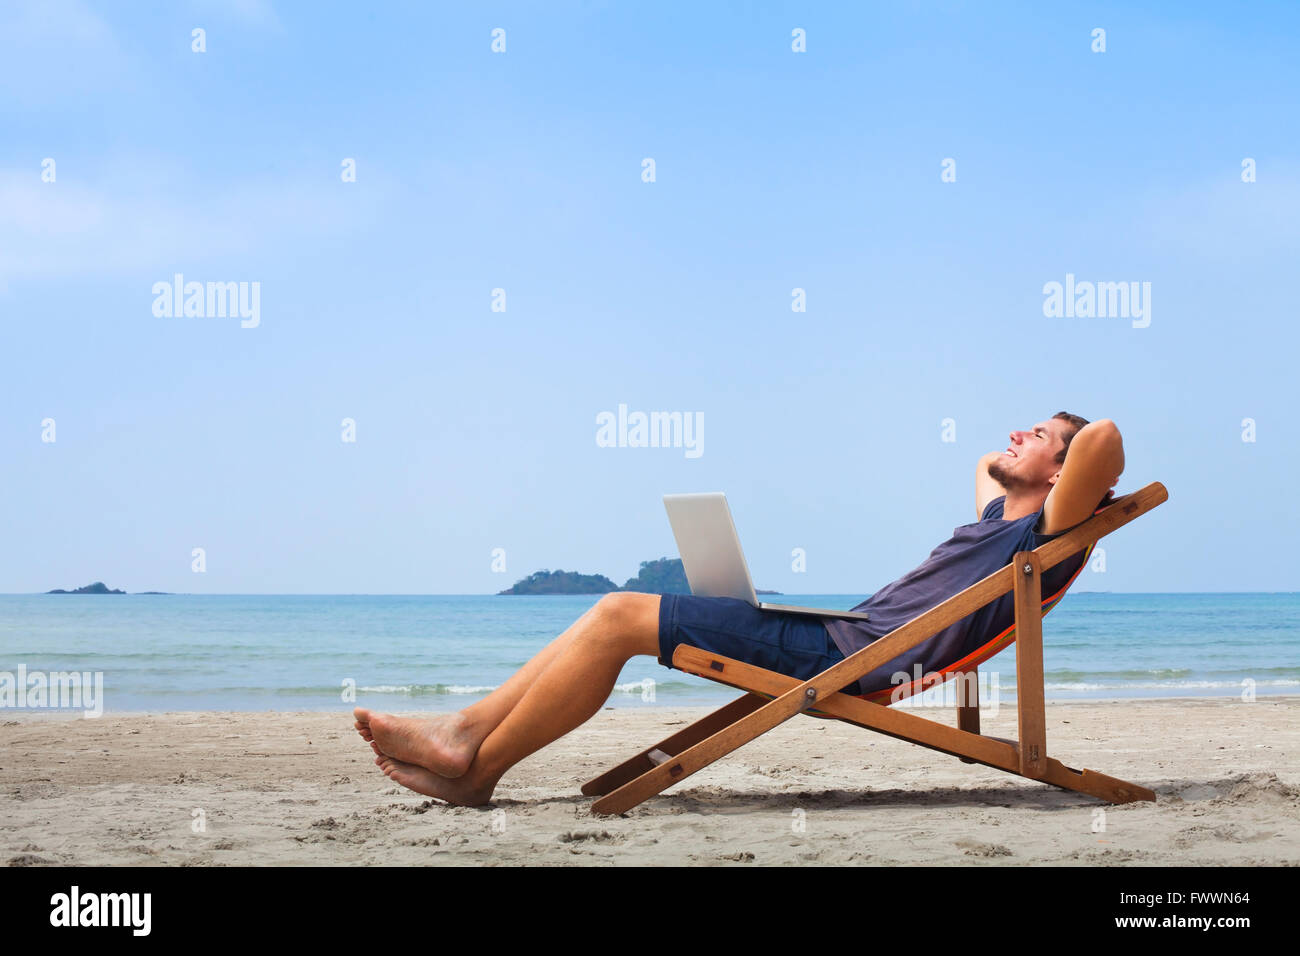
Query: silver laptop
x,y
711,556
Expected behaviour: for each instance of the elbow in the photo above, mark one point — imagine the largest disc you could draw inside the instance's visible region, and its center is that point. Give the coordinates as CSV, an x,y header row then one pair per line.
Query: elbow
x,y
1109,443
1104,427
1103,443
1102,433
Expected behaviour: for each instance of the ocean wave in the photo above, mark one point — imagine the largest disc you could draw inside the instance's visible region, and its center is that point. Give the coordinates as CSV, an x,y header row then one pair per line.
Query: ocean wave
x,y
416,690
637,686
1166,685
422,690
1129,674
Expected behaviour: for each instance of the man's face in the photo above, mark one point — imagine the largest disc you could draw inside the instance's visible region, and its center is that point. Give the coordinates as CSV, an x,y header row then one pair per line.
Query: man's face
x,y
1030,460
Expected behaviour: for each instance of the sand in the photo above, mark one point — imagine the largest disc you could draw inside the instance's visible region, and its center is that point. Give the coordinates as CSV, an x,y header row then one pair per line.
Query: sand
x,y
216,789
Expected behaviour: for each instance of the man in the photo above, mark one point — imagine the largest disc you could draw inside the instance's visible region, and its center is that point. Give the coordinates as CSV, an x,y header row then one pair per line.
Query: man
x,y
1025,495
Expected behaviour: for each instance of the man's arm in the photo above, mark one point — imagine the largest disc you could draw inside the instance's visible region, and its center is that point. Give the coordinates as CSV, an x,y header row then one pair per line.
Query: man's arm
x,y
986,489
1092,466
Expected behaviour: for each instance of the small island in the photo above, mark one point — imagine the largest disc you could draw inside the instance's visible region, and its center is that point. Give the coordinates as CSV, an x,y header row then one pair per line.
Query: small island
x,y
664,576
562,582
661,576
97,588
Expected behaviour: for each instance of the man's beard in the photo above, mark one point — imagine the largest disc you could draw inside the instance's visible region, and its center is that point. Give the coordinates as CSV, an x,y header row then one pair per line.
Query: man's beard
x,y
1005,477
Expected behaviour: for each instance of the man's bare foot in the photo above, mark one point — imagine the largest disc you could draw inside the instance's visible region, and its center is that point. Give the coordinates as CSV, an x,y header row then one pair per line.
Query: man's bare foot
x,y
444,744
462,791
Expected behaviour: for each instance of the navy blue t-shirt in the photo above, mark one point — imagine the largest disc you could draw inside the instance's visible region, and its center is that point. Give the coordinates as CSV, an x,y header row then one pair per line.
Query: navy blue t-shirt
x,y
972,553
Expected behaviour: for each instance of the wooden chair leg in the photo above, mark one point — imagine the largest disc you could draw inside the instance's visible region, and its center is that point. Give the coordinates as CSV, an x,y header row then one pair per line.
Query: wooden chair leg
x,y
665,773
968,703
1030,706
651,757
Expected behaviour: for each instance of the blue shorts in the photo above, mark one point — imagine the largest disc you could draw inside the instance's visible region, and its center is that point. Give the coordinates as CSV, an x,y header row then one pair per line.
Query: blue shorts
x,y
792,644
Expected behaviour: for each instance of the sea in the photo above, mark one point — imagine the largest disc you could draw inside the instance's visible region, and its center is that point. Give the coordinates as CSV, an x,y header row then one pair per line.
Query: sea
x,y
183,652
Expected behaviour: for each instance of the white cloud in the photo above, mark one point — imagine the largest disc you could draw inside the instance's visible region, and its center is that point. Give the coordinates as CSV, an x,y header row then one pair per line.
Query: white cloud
x,y
51,49
254,12
1225,219
70,229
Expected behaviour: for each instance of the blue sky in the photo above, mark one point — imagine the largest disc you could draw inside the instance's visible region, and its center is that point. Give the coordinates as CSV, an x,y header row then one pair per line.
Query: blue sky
x,y
522,170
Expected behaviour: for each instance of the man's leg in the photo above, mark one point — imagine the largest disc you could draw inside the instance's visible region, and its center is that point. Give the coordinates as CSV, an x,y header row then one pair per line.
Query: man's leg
x,y
453,739
567,693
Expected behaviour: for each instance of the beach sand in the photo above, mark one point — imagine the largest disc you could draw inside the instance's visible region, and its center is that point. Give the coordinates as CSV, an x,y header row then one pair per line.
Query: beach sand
x,y
286,789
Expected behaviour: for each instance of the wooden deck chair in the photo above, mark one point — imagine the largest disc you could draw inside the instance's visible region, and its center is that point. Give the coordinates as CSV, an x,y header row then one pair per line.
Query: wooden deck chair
x,y
772,698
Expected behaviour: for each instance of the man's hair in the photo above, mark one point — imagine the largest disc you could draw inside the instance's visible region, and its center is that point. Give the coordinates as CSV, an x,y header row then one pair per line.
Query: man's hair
x,y
1076,422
